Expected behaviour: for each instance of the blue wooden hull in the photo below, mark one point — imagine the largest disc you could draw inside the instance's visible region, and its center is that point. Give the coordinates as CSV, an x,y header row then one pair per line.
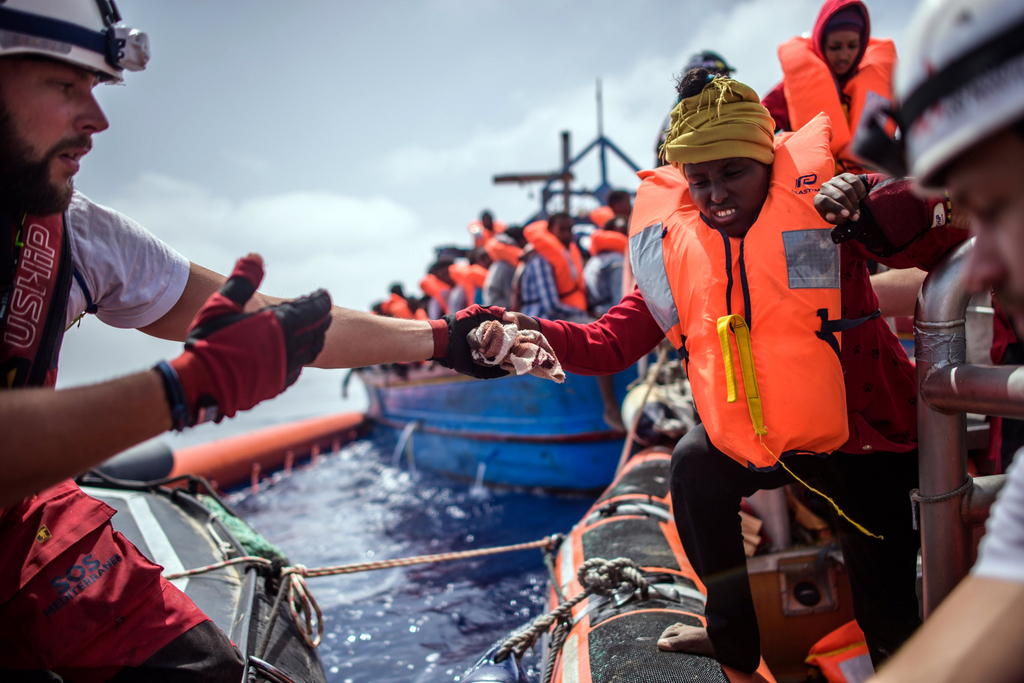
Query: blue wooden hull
x,y
525,431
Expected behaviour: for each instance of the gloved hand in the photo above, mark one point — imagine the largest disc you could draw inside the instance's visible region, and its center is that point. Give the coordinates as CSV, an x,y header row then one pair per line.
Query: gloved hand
x,y
234,360
460,355
885,219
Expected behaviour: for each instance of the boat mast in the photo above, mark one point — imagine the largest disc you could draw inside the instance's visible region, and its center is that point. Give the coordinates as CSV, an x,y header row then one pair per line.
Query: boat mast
x,y
565,175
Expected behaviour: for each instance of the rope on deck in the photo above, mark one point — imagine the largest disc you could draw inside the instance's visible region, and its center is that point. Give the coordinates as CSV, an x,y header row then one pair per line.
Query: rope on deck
x,y
303,605
597,576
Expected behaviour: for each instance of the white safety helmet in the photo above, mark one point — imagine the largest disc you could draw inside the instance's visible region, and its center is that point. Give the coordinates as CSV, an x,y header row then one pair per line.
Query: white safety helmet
x,y
86,33
960,79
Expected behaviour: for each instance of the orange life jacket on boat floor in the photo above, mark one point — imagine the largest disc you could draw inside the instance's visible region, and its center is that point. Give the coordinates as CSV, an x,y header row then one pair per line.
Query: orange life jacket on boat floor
x,y
811,88
608,240
436,289
756,315
843,655
566,263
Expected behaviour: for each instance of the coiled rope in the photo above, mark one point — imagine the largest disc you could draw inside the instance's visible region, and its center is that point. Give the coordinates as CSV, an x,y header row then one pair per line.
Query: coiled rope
x,y
301,603
597,576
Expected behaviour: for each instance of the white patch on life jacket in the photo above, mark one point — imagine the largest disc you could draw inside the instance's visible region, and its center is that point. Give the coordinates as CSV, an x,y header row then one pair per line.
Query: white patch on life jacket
x,y
857,669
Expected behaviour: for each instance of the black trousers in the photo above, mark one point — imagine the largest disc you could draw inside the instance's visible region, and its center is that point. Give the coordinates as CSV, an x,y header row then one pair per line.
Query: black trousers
x,y
202,654
873,489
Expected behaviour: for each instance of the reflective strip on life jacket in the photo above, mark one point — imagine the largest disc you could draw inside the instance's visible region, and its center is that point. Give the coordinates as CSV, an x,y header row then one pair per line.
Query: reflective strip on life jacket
x,y
646,255
567,264
842,655
436,289
811,88
760,295
608,240
33,319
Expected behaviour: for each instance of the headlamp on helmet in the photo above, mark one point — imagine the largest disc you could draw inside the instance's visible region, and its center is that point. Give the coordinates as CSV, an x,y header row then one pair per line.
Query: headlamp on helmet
x,y
86,33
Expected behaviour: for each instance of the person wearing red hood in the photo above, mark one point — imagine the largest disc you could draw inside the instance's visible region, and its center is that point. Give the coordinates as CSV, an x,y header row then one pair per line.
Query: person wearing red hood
x,y
840,70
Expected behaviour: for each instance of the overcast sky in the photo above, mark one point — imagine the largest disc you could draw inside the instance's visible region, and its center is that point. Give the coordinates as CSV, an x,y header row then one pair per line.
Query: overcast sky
x,y
343,140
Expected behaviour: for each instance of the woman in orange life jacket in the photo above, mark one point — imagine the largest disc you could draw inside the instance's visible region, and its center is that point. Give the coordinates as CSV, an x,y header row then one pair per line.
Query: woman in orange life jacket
x,y
840,70
732,268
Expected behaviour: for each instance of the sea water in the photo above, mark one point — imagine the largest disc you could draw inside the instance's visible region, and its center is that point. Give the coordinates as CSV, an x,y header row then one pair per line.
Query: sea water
x,y
421,623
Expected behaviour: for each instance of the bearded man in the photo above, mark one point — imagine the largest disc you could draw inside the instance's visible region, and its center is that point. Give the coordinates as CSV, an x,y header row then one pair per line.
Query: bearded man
x,y
62,256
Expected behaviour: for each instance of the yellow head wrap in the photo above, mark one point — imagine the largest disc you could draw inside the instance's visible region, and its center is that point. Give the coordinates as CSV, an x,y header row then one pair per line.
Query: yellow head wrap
x,y
725,120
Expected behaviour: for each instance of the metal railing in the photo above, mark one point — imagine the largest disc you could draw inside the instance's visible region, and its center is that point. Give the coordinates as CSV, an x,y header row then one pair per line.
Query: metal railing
x,y
948,388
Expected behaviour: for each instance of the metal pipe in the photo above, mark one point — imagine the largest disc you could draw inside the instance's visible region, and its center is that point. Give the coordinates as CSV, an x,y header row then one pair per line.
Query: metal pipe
x,y
985,389
976,504
940,341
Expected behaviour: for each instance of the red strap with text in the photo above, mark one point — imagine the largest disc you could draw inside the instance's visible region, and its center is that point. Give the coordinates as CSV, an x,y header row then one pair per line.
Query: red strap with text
x,y
27,308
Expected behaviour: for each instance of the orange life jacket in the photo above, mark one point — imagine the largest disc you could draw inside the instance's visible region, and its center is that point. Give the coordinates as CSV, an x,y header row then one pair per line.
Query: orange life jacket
x,y
751,312
397,307
810,89
566,263
436,289
481,234
601,215
608,240
470,278
840,651
501,251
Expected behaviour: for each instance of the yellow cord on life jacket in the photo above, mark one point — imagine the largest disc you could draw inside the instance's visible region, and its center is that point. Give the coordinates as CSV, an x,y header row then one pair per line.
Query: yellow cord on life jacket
x,y
738,326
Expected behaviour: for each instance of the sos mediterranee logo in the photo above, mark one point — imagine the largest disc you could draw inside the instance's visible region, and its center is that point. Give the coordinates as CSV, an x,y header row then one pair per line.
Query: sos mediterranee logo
x,y
77,579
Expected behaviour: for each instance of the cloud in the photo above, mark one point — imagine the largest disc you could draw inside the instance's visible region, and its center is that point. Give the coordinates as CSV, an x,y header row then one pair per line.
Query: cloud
x,y
353,246
637,100
250,163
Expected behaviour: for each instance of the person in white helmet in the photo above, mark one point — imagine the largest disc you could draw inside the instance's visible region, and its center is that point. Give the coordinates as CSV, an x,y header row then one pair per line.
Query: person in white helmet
x,y
62,256
962,89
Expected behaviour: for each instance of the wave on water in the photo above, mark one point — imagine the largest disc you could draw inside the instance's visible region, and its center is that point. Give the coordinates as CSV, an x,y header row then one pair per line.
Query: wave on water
x,y
415,624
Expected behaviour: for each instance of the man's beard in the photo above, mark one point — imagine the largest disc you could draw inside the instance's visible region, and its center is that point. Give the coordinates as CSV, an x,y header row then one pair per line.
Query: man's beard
x,y
25,185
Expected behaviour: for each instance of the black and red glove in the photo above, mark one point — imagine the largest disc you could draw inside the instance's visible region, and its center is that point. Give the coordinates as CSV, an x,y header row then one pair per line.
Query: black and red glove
x,y
458,355
234,360
892,216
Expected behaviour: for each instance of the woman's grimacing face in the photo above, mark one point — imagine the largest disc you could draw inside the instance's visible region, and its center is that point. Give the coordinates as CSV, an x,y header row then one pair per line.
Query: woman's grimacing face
x,y
729,192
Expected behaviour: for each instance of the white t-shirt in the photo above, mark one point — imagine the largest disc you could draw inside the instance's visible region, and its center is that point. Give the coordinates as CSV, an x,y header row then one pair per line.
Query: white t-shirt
x,y
1001,555
132,277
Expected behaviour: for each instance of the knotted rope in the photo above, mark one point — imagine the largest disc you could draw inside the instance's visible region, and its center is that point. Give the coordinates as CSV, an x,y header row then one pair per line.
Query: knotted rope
x,y
916,497
597,576
301,603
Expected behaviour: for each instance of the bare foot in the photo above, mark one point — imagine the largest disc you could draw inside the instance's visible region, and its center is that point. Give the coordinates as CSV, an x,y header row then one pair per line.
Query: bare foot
x,y
684,638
